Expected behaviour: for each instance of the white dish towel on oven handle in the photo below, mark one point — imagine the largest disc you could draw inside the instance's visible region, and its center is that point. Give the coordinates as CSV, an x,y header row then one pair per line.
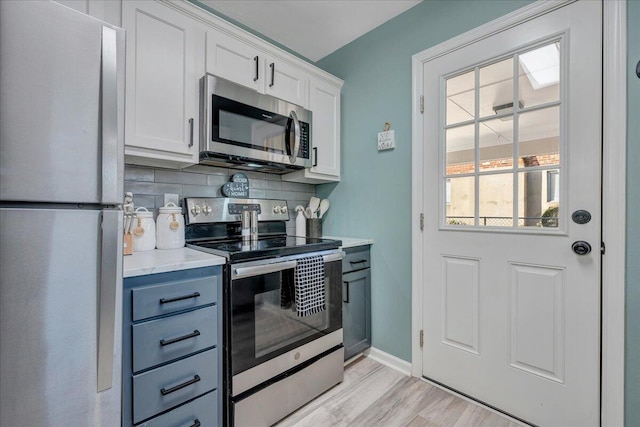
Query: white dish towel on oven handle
x,y
309,286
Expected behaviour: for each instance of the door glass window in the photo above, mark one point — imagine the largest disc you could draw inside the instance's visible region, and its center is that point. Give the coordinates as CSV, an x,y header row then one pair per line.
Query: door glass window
x,y
502,140
460,98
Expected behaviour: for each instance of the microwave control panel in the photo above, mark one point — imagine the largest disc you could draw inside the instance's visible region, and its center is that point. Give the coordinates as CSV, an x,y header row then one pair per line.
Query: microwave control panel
x,y
304,140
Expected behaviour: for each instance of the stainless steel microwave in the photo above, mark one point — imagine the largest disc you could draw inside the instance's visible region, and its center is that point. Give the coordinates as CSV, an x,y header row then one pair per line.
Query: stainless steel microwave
x,y
248,130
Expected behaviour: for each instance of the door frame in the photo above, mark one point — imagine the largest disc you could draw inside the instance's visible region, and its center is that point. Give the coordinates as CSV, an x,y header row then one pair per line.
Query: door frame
x,y
614,107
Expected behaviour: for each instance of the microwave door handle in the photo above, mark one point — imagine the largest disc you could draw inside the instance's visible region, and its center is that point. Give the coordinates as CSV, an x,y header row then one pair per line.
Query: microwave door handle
x,y
296,137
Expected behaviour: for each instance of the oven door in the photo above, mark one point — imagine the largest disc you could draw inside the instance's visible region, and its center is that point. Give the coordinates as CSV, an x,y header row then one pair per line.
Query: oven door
x,y
264,327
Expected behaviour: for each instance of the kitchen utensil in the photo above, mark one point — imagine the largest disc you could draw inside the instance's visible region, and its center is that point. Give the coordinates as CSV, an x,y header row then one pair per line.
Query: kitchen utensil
x,y
324,207
307,212
314,204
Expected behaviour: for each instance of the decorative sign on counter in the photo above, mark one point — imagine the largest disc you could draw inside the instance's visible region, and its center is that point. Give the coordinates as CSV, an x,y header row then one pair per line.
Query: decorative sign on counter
x,y
238,187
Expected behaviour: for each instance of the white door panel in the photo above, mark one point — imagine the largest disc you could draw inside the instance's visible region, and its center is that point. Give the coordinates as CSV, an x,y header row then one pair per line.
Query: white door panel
x,y
511,313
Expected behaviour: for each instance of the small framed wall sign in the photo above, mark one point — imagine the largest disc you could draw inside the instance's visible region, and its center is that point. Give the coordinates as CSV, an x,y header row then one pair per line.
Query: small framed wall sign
x,y
238,187
386,138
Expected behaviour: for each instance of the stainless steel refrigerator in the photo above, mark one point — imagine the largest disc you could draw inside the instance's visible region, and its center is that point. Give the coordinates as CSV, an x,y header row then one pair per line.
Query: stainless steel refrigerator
x,y
61,171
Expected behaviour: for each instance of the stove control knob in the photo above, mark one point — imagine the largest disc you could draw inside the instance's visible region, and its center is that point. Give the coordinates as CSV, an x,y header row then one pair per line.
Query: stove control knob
x,y
206,209
195,210
283,209
276,209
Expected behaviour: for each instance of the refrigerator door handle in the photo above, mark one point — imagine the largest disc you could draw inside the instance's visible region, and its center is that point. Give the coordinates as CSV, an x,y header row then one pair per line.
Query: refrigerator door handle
x,y
109,280
109,115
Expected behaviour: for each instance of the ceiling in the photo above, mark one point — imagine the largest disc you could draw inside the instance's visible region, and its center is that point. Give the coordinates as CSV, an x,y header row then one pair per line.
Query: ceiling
x,y
312,28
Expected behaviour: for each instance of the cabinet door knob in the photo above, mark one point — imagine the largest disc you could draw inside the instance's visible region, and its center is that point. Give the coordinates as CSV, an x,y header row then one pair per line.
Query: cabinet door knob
x,y
315,156
190,132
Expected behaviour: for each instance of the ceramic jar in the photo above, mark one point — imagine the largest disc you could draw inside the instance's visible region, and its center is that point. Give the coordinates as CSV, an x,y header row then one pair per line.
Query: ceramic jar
x,y
143,231
170,227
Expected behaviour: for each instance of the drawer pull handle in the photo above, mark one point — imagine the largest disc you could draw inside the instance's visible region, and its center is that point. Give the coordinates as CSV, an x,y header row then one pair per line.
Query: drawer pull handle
x,y
358,262
196,423
194,334
166,391
167,300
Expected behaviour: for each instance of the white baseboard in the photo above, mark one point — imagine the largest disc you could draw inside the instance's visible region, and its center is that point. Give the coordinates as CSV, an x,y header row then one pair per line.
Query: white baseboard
x,y
389,360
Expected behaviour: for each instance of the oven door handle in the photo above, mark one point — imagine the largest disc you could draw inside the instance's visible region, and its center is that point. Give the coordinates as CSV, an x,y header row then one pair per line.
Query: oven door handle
x,y
257,270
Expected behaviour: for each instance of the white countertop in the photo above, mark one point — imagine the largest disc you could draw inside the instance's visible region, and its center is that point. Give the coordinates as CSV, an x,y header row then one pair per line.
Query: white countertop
x,y
351,242
165,260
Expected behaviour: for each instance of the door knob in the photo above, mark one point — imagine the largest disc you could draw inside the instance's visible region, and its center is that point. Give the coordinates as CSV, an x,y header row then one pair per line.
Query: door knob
x,y
581,247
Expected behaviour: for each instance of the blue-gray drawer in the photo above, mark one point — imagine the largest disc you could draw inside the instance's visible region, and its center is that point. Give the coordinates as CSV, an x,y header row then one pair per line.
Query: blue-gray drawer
x,y
166,387
169,297
356,258
201,412
162,340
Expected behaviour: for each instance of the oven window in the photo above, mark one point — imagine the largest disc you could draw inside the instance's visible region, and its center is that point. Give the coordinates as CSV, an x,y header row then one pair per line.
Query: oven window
x,y
276,323
264,323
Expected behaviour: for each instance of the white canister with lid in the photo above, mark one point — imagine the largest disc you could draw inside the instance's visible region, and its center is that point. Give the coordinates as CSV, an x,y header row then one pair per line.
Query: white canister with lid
x,y
144,231
170,227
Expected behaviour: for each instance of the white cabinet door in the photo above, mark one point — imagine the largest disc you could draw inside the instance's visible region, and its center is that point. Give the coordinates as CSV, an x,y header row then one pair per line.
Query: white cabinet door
x,y
164,63
234,60
324,103
286,81
240,62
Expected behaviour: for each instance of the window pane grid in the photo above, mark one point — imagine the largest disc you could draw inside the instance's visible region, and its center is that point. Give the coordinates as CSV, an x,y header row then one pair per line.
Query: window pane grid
x,y
501,169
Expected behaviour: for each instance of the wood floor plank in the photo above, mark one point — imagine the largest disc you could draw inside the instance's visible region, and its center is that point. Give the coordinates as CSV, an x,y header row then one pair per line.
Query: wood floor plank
x,y
444,408
398,406
418,421
374,395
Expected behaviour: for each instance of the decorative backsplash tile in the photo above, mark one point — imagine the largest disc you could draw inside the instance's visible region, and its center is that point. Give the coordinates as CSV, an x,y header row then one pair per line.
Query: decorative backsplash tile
x,y
149,185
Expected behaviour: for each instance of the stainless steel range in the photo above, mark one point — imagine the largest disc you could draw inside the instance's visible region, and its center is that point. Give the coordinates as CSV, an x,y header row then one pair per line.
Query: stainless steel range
x,y
283,308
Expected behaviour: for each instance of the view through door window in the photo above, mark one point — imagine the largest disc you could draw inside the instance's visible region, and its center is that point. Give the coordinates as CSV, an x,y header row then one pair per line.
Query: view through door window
x,y
502,140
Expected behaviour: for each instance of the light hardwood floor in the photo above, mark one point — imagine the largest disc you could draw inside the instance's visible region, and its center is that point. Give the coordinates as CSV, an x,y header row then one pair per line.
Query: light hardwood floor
x,y
375,395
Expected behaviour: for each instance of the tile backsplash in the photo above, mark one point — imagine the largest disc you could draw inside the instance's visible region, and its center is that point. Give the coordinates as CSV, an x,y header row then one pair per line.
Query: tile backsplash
x,y
149,185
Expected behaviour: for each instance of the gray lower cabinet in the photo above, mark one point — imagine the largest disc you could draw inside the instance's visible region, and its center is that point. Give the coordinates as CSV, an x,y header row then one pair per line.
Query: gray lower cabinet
x,y
356,300
172,340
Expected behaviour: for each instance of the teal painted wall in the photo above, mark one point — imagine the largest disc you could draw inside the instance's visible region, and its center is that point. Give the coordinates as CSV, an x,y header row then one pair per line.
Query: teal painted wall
x,y
632,364
373,198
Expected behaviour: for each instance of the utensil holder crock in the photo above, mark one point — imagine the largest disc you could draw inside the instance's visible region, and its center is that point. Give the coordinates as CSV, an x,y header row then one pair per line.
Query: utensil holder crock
x,y
314,227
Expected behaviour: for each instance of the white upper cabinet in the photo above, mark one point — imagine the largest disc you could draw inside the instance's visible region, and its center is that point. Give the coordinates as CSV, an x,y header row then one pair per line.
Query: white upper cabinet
x,y
235,60
164,64
324,102
245,64
286,81
171,45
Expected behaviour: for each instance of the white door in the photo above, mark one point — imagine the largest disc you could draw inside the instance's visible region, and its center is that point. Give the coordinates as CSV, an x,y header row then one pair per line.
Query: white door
x,y
512,146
